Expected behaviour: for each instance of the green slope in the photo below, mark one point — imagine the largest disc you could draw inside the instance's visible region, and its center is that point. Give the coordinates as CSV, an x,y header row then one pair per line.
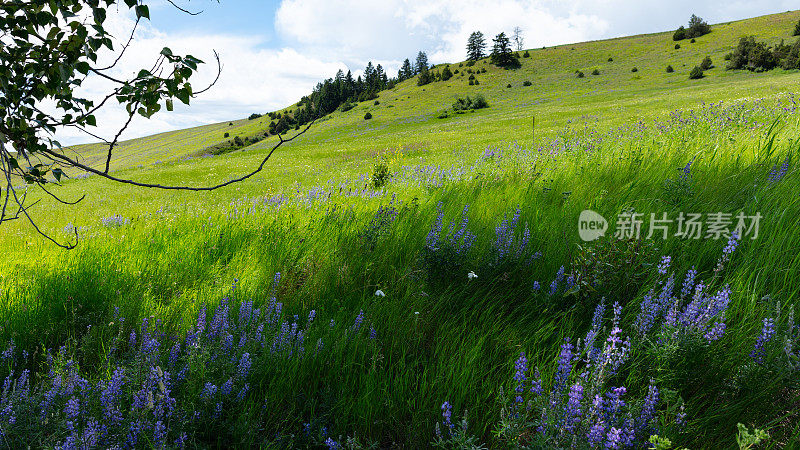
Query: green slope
x,y
407,113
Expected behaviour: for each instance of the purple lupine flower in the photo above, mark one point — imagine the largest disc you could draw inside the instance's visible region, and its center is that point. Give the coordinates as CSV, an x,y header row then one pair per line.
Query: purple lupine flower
x,y
778,173
446,414
226,387
559,277
614,438
536,383
688,282
244,366
596,434
359,320
716,332
767,333
572,412
536,286
663,266
519,376
564,366
209,390
648,413
242,392
680,417
73,408
331,444
159,434
372,332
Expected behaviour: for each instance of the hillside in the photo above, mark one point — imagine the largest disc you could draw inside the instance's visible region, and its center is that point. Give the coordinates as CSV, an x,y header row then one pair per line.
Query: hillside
x,y
554,97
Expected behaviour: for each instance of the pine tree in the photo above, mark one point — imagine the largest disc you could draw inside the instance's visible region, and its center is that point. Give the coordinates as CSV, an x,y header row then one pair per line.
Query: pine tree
x,y
406,71
422,62
502,55
476,46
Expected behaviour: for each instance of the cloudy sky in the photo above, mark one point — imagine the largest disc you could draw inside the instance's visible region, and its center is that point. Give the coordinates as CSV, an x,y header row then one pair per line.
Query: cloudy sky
x,y
273,52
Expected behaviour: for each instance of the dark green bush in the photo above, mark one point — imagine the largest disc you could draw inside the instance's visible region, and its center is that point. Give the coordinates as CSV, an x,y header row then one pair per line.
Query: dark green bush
x,y
471,82
670,69
610,59
752,55
526,54
596,72
580,74
634,70
376,103
226,135
796,31
696,73
466,104
706,64
254,116
446,73
367,116
472,77
692,41
527,83
677,46
679,34
237,141
346,106
470,63
509,85
477,82
381,175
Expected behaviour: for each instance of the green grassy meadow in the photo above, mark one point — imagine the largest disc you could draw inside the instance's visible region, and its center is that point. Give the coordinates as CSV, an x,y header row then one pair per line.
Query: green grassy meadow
x,y
611,142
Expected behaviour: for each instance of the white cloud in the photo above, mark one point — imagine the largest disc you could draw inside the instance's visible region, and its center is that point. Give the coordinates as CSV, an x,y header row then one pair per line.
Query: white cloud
x,y
253,79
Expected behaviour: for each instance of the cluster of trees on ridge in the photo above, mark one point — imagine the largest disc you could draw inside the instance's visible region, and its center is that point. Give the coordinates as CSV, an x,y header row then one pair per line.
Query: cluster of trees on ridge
x,y
697,27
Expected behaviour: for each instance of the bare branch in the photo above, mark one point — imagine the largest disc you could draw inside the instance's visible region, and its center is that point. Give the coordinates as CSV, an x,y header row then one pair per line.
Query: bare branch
x,y
219,71
184,10
62,158
116,138
124,47
59,199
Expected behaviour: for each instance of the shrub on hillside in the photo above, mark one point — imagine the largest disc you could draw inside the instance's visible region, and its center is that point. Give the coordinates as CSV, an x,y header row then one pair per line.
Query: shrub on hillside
x,y
508,85
526,83
367,116
579,74
796,31
706,64
692,41
346,106
596,72
610,59
634,70
380,176
677,46
696,73
526,54
697,27
465,104
376,103
752,55
679,34
670,69
238,141
254,116
471,82
446,73
226,135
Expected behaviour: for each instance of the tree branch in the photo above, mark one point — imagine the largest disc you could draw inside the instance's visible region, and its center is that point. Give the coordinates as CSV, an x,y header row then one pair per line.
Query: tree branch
x,y
59,157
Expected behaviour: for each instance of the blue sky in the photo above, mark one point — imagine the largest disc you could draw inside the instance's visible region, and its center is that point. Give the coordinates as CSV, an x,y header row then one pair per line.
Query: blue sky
x,y
275,51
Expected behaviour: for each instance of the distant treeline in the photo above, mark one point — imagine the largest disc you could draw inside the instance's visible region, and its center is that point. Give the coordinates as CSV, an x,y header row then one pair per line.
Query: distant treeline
x,y
342,91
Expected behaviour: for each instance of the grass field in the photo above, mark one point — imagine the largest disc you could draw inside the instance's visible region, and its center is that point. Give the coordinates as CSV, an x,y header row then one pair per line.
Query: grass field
x,y
475,192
